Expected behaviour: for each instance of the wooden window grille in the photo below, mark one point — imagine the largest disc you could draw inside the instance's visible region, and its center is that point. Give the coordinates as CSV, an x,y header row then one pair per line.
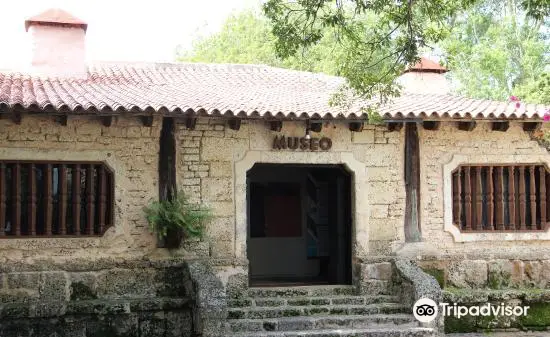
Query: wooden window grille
x,y
55,199
501,198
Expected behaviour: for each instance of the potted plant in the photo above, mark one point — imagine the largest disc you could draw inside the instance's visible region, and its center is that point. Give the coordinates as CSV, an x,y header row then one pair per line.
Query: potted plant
x,y
177,219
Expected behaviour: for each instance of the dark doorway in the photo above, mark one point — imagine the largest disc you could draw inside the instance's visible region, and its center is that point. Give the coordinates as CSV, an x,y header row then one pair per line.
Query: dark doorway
x,y
299,220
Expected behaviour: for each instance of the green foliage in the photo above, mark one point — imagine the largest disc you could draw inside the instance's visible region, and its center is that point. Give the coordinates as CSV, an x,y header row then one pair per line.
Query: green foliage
x,y
493,48
378,38
246,38
496,50
177,214
537,91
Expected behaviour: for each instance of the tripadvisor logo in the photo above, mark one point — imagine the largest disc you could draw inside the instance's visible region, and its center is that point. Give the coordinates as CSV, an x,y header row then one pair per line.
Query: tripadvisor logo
x,y
425,310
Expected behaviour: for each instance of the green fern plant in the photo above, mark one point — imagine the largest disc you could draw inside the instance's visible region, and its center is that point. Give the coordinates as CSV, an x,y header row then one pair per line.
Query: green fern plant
x,y
177,215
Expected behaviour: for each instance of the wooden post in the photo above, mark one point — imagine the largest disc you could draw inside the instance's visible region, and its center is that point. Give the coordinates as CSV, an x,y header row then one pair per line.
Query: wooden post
x,y
522,200
412,184
62,199
2,199
499,192
102,198
490,200
76,198
468,198
48,200
16,183
512,197
90,202
167,160
32,201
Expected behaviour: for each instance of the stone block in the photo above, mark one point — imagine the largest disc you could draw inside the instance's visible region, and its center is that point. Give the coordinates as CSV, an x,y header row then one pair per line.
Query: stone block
x,y
54,286
178,324
379,211
217,189
125,283
383,229
171,281
222,208
221,228
221,169
380,174
532,273
89,129
221,149
364,137
382,192
23,280
377,271
152,324
467,274
221,248
499,273
545,274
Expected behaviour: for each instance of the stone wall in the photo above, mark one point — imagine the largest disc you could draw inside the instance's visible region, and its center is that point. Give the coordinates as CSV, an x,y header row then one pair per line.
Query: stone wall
x,y
208,155
448,146
129,148
107,297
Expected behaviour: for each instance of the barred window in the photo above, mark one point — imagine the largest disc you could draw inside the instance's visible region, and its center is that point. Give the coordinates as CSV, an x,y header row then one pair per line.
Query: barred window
x,y
55,199
501,197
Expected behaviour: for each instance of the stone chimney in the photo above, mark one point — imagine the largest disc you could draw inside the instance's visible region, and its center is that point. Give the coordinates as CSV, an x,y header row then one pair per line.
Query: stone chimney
x,y
58,44
425,77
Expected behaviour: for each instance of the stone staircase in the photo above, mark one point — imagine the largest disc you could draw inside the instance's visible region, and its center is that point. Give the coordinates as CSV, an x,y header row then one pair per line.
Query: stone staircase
x,y
320,311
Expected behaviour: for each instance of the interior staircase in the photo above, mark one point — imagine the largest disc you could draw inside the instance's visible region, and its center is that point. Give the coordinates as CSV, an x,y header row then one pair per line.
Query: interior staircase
x,y
320,311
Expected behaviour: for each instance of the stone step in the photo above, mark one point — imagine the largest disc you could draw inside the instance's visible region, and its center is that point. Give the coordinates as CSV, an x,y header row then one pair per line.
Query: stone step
x,y
381,332
303,291
322,322
294,311
301,301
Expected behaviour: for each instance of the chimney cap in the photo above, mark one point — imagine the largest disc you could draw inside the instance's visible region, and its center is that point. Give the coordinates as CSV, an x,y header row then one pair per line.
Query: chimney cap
x,y
55,17
427,66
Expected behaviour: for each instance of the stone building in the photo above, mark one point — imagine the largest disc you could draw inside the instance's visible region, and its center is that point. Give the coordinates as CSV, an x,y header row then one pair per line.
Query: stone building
x,y
321,219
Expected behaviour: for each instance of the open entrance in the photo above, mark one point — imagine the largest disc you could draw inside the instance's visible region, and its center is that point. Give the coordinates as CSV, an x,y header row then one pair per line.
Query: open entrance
x,y
299,224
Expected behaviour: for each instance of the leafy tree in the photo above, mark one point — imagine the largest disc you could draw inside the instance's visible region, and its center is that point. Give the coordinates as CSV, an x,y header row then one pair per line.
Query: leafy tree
x,y
496,50
537,91
374,52
246,38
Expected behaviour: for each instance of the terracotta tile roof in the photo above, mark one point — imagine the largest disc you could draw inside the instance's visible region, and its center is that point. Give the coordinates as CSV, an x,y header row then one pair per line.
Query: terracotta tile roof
x,y
230,90
426,65
55,16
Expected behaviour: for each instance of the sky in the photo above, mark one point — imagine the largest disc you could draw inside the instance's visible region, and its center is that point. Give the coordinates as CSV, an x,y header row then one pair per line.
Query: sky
x,y
123,30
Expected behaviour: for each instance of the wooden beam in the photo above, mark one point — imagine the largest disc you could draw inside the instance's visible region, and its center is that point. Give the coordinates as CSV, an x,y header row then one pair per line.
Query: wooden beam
x,y
62,120
106,120
167,160
190,123
235,124
531,126
316,126
412,184
431,125
276,126
146,120
16,117
394,126
500,126
167,173
466,126
356,126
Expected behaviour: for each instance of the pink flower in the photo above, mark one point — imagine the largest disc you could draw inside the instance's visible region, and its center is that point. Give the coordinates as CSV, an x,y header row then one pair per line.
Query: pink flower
x,y
546,117
518,105
514,99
